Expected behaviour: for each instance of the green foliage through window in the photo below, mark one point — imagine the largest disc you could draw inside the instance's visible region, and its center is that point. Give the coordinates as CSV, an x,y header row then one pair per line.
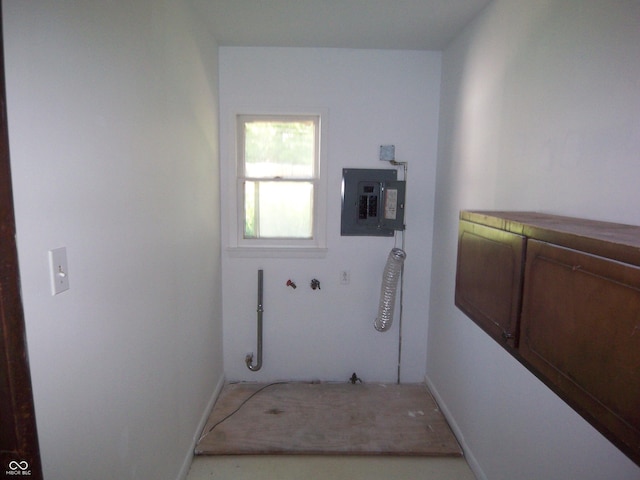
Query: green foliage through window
x,y
279,166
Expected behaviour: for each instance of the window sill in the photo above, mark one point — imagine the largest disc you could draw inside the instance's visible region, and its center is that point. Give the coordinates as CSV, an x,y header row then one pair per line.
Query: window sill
x,y
277,252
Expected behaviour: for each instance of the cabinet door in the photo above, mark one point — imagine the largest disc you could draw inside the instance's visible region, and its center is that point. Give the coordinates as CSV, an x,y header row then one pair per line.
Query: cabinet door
x,y
489,279
580,329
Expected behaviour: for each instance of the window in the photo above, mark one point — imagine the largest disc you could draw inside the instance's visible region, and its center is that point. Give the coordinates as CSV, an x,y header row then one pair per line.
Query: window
x,y
278,180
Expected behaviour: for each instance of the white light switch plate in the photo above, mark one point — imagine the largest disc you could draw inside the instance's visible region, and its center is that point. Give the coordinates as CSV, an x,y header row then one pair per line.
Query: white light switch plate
x,y
58,270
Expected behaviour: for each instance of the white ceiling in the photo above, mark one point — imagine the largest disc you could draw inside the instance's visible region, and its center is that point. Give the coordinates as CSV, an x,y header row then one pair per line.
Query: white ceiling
x,y
376,24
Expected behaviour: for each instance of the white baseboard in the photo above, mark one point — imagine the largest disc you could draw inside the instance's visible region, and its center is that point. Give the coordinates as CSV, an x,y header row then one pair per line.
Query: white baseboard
x,y
186,464
468,454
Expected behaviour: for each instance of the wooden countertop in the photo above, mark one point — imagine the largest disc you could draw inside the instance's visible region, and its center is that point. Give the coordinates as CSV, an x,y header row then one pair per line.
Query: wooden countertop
x,y
611,240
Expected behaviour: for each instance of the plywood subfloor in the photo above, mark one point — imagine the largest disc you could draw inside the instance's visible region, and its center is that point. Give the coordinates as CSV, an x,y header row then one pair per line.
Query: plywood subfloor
x,y
327,418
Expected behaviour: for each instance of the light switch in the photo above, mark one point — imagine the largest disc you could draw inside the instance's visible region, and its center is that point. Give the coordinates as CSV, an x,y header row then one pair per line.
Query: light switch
x,y
58,270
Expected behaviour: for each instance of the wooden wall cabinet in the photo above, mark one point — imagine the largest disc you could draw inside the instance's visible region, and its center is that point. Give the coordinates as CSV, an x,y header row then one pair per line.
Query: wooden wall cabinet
x,y
562,295
489,281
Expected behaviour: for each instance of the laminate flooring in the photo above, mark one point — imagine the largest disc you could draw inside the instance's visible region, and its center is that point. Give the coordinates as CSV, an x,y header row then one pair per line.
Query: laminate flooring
x,y
321,467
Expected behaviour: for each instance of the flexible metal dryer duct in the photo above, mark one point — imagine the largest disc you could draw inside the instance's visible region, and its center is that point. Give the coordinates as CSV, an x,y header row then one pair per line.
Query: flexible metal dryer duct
x,y
390,277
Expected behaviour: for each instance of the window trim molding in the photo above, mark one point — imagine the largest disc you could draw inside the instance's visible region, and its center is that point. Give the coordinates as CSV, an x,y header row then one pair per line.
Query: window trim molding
x,y
267,247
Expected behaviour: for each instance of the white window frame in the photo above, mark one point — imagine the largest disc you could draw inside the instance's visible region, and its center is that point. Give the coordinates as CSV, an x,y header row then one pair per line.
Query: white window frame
x,y
281,247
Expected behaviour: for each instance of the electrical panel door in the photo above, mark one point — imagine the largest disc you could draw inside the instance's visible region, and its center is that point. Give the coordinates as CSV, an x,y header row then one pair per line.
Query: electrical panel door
x,y
372,202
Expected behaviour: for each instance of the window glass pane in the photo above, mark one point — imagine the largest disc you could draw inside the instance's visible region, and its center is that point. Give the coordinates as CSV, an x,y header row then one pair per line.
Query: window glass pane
x,y
283,149
278,209
250,213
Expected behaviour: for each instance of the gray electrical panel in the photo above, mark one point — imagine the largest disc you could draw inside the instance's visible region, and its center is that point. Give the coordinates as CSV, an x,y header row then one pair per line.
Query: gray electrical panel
x,y
372,202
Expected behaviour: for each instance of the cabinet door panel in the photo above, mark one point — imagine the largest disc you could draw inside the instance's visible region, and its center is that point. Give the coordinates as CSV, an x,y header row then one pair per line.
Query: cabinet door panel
x,y
489,279
580,329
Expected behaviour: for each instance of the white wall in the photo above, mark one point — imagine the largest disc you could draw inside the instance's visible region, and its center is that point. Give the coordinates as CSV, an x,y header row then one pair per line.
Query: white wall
x,y
372,98
540,111
112,110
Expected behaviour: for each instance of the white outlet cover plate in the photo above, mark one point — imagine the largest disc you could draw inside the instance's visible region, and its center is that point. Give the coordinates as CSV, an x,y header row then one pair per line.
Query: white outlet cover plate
x,y
58,270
